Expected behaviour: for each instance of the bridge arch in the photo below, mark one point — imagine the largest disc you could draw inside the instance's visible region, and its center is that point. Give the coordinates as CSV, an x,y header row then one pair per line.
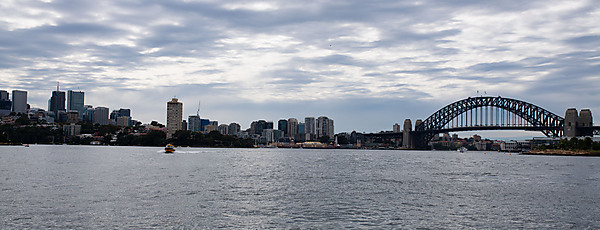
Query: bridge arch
x,y
538,118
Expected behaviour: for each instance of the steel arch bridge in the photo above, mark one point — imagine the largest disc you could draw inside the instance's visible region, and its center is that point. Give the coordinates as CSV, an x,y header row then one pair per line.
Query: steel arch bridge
x,y
487,113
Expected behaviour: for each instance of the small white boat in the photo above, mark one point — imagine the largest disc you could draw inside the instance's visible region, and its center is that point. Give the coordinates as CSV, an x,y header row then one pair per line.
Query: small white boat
x,y
461,149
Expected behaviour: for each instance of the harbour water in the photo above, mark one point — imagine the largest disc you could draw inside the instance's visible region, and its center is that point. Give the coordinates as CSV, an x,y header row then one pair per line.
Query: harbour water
x,y
89,187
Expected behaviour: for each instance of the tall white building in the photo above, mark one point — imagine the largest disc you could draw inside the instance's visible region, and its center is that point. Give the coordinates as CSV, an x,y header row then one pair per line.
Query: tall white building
x,y
19,101
174,116
325,127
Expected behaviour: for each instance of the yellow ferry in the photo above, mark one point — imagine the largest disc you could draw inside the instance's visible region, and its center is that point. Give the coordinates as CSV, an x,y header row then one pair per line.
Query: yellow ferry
x,y
169,148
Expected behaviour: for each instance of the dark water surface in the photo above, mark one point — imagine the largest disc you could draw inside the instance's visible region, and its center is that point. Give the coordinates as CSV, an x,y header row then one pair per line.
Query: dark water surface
x,y
85,187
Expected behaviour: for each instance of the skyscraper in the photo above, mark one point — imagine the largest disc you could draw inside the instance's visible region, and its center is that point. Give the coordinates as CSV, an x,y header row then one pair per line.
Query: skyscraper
x,y
75,102
194,123
282,125
3,95
234,128
292,128
19,101
310,128
174,116
57,101
100,116
5,103
325,127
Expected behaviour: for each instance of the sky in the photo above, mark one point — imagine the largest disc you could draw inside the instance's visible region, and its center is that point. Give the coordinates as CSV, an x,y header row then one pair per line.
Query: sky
x,y
364,64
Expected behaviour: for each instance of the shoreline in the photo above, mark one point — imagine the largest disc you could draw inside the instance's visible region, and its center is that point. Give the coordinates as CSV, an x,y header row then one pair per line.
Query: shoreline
x,y
559,152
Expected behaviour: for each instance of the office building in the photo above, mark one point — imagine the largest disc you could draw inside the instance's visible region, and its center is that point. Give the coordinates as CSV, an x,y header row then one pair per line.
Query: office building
x,y
292,128
4,95
5,103
123,121
100,116
194,123
325,127
282,125
19,101
396,128
57,102
234,129
174,116
223,129
75,101
72,117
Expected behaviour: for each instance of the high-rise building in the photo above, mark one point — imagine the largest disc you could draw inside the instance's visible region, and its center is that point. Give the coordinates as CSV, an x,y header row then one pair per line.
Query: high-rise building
x,y
75,101
5,103
124,112
223,129
57,102
282,125
100,116
396,128
184,125
19,101
194,123
301,128
310,126
174,116
3,95
292,128
114,114
325,127
234,129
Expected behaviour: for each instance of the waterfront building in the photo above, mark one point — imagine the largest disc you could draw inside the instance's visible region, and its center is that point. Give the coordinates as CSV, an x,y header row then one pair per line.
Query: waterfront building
x,y
203,124
325,127
301,128
282,125
310,125
114,114
292,128
396,128
75,101
88,115
174,116
184,125
72,117
57,101
72,130
123,121
223,129
234,128
256,127
209,128
4,95
194,123
5,103
19,101
100,116
214,123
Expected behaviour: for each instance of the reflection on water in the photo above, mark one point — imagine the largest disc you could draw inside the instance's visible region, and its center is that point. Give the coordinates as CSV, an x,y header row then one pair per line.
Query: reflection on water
x,y
140,187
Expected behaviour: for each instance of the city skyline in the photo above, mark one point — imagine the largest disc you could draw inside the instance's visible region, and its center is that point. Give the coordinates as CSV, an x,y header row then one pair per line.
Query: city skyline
x,y
366,65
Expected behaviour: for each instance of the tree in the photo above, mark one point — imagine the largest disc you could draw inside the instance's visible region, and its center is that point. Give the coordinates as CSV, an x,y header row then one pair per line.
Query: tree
x,y
155,123
324,139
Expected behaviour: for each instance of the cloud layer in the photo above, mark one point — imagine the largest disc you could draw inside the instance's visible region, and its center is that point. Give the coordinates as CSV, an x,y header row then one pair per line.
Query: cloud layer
x,y
365,64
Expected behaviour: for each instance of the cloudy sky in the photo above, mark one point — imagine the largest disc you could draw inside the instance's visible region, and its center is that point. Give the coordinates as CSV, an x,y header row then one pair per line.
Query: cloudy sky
x,y
365,64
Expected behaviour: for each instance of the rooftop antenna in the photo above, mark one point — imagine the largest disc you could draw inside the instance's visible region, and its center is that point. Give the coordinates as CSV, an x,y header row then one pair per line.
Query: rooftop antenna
x,y
57,86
